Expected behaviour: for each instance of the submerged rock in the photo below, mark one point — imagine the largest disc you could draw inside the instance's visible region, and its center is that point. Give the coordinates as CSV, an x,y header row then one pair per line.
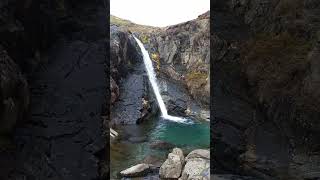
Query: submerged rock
x,y
136,171
162,145
172,167
137,139
154,160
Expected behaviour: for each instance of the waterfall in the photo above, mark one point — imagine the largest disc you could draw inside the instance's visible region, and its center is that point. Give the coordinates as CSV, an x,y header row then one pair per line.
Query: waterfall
x,y
153,80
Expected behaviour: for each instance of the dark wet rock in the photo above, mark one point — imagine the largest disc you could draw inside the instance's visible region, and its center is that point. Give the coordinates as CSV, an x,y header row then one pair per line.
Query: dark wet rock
x,y
129,108
147,177
114,91
135,102
124,53
14,94
137,139
63,137
177,99
262,123
232,177
161,145
70,126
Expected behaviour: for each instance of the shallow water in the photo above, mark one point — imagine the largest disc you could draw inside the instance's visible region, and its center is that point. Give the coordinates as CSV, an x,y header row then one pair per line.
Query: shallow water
x,y
125,153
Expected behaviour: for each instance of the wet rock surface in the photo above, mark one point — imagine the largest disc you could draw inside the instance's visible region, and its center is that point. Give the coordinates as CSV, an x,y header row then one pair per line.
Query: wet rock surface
x,y
184,55
179,52
135,101
64,133
14,98
252,128
178,101
65,130
232,177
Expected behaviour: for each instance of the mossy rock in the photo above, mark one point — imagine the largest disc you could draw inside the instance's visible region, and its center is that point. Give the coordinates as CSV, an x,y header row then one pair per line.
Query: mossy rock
x,y
144,39
156,58
194,75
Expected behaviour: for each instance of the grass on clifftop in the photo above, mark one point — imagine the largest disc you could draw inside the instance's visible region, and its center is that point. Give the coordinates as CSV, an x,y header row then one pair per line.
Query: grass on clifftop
x,y
131,26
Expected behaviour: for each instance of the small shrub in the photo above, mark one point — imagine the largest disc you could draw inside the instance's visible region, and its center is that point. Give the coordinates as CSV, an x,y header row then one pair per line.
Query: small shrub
x,y
144,39
156,58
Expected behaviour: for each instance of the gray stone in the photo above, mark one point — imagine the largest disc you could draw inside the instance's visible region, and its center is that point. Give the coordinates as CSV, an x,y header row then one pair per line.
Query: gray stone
x,y
136,171
172,167
198,153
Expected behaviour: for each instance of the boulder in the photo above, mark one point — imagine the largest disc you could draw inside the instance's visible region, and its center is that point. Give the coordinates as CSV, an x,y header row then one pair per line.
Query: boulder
x,y
199,153
172,167
196,168
136,171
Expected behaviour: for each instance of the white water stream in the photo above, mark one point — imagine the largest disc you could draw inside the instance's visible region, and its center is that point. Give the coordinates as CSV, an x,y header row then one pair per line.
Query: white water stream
x,y
153,80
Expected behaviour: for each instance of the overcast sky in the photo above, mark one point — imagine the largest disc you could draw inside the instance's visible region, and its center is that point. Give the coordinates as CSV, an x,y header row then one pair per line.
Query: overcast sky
x,y
158,12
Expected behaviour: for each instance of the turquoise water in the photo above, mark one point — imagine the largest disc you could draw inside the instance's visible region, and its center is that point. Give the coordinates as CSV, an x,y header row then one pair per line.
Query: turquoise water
x,y
190,135
125,153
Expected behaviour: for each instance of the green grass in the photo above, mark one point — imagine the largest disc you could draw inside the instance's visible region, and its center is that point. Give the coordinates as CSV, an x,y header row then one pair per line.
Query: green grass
x,y
133,27
156,58
118,21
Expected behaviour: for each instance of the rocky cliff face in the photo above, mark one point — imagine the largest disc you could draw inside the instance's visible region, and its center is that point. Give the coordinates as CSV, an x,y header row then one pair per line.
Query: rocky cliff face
x,y
264,106
52,45
14,94
28,29
180,52
132,99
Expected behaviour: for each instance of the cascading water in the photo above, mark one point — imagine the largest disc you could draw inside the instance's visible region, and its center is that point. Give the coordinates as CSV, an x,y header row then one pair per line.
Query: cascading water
x,y
153,81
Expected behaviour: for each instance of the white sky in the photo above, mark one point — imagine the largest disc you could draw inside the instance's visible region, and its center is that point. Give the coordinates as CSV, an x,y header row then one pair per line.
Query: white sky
x,y
158,12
